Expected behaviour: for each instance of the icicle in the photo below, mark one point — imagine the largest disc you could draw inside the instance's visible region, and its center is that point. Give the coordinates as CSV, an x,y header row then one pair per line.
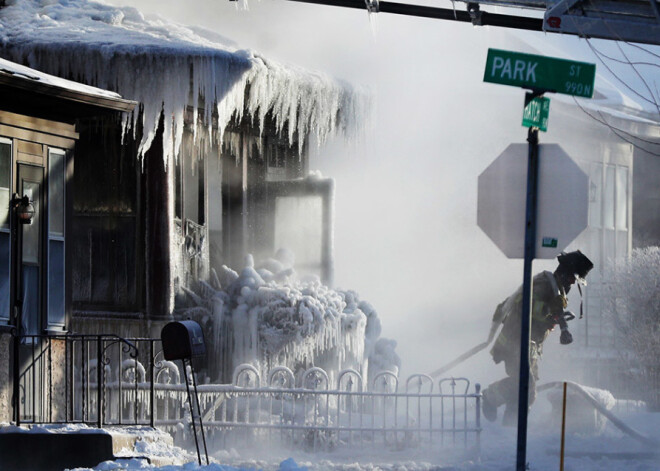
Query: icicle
x,y
166,67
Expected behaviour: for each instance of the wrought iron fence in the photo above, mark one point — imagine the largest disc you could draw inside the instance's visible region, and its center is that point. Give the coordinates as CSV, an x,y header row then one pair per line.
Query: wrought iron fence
x,y
91,379
311,413
106,380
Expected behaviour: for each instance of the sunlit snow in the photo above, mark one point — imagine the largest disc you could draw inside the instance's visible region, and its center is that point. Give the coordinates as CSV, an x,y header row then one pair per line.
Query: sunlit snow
x,y
606,450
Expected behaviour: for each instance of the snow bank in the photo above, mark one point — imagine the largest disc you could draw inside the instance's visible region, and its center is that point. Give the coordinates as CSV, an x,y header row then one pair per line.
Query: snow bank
x,y
581,415
269,317
166,67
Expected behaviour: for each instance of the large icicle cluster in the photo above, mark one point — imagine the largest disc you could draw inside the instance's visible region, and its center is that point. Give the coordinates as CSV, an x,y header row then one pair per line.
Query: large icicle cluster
x,y
268,317
166,67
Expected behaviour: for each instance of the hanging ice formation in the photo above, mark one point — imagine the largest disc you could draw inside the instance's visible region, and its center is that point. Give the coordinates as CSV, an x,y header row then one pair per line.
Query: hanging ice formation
x,y
167,67
268,317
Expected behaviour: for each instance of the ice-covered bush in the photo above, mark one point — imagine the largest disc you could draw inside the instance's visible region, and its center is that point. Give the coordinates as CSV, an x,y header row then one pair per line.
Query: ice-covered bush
x,y
267,316
632,304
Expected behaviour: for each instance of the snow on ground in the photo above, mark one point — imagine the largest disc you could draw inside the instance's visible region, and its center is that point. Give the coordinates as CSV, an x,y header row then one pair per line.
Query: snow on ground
x,y
609,450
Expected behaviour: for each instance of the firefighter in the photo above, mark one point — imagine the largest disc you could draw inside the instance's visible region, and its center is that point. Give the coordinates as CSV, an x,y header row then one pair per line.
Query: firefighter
x,y
548,310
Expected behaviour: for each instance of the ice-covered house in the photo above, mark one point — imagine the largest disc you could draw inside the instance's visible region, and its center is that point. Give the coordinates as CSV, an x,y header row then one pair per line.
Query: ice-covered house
x,y
207,175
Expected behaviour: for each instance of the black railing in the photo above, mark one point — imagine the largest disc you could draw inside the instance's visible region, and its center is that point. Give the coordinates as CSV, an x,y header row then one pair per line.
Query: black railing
x,y
106,380
90,379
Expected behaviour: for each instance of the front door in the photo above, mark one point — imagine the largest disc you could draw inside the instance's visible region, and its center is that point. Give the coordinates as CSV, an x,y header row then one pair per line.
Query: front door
x,y
30,184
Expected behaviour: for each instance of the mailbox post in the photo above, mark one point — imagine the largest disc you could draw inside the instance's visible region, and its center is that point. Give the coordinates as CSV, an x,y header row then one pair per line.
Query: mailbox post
x,y
184,340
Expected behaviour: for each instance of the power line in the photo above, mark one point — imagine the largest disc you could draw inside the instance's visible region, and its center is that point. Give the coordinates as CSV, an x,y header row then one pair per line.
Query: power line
x,y
653,97
620,133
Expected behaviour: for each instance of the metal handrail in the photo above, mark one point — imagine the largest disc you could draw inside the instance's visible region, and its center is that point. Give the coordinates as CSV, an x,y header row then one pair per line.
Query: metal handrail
x,y
38,373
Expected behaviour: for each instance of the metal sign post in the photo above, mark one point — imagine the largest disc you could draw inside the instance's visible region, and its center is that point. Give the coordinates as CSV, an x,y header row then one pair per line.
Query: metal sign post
x,y
539,74
530,249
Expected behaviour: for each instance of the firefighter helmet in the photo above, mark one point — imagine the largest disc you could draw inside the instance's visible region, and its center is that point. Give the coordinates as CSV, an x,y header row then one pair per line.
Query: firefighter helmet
x,y
575,263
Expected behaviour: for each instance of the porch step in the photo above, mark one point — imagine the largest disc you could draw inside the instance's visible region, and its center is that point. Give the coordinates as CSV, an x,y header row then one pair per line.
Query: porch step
x,y
67,447
145,443
129,438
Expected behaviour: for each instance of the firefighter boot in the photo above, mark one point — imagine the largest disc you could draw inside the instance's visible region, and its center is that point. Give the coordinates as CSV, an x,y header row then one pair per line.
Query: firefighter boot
x,y
488,406
510,418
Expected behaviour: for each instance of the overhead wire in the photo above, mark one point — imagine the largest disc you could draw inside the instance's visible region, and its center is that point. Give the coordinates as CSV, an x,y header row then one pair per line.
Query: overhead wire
x,y
619,79
639,46
620,133
643,80
626,62
626,136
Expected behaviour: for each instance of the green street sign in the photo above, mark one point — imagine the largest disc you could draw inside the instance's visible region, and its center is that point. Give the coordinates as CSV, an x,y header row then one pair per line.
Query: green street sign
x,y
540,73
536,111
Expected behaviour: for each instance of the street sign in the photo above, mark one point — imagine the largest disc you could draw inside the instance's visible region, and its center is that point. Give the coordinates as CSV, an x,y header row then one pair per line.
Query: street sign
x,y
563,190
540,73
536,112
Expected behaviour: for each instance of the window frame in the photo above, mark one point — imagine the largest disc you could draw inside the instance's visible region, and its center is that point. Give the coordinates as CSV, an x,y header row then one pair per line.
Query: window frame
x,y
60,324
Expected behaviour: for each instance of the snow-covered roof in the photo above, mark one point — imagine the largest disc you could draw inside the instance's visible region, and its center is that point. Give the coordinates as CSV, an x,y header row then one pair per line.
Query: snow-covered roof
x,y
155,62
20,71
22,77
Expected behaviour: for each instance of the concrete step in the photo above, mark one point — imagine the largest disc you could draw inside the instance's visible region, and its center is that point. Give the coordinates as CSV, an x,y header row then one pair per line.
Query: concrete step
x,y
128,438
78,446
145,442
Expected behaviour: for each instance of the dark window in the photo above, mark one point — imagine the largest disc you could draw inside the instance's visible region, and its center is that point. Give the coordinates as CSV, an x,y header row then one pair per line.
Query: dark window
x,y
4,276
56,175
5,192
5,182
56,205
56,283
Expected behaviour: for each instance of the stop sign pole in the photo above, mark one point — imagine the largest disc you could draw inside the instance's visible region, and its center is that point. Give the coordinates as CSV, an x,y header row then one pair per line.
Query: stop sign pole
x,y
525,328
539,74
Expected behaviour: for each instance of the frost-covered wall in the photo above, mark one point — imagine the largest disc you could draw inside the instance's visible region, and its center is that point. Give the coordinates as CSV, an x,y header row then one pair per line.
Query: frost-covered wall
x,y
166,67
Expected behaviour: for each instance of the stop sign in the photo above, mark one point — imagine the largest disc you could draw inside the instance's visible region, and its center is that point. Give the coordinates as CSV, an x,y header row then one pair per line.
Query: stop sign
x,y
562,209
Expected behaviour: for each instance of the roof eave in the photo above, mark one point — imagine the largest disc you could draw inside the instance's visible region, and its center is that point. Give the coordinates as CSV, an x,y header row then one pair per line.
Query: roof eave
x,y
98,101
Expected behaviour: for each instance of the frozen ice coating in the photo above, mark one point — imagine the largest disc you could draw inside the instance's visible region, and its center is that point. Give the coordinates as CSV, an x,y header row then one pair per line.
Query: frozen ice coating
x,y
166,66
294,323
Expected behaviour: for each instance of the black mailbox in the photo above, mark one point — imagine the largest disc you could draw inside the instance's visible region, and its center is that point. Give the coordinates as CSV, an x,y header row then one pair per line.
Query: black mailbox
x,y
182,340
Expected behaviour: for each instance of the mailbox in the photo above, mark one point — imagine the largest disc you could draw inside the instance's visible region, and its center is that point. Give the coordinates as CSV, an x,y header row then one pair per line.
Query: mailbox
x,y
182,340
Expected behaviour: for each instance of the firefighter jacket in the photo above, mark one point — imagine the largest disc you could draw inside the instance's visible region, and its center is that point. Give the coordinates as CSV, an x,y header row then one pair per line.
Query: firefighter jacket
x,y
548,302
